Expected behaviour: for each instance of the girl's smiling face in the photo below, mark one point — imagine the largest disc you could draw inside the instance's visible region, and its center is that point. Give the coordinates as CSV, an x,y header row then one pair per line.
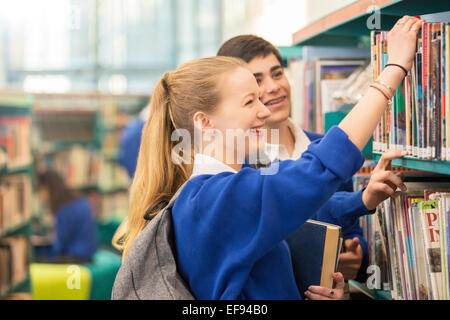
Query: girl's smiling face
x,y
240,112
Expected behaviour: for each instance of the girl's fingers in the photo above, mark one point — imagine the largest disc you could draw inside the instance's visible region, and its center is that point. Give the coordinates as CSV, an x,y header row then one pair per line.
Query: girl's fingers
x,y
320,291
409,23
339,279
387,157
385,188
399,24
392,180
416,26
313,296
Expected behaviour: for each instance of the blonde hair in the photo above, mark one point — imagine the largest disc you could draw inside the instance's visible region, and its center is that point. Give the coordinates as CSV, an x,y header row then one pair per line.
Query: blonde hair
x,y
193,87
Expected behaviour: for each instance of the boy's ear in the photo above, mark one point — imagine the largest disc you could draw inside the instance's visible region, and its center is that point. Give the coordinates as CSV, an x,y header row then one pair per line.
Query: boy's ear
x,y
202,121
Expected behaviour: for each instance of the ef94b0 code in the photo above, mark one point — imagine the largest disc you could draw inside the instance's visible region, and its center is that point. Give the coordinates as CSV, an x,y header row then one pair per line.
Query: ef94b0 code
x,y
246,309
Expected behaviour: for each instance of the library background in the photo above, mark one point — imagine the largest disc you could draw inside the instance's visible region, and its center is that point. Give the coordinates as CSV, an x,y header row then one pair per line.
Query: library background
x,y
75,73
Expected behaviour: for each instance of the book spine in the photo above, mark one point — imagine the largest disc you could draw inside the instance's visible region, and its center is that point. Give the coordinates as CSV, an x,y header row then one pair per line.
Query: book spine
x,y
447,92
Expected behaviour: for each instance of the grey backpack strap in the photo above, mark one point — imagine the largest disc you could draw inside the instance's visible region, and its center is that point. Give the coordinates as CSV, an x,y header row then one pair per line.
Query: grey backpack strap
x,y
167,204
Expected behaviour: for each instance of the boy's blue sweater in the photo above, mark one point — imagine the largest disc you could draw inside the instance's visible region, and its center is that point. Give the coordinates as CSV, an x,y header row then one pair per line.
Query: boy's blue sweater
x,y
130,142
230,227
355,230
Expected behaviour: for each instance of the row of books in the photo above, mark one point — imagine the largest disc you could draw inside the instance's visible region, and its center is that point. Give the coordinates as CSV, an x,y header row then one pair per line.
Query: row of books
x,y
418,118
15,141
316,77
14,257
15,200
409,240
111,207
87,160
86,168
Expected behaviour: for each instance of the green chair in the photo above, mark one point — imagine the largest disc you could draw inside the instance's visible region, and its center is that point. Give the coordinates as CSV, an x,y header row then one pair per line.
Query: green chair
x,y
103,269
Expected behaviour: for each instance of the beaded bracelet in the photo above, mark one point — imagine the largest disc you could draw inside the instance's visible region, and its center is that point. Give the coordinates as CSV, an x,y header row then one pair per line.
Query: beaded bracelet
x,y
383,92
381,82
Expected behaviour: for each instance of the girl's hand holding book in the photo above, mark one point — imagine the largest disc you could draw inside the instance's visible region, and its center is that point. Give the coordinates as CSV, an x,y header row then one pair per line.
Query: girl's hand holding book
x,y
322,293
402,40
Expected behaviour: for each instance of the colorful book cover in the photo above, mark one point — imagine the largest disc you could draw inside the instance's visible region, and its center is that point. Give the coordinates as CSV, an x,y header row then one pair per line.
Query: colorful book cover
x,y
399,123
430,223
439,197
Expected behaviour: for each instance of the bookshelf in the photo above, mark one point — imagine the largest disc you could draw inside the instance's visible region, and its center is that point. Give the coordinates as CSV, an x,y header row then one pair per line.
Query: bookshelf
x,y
347,28
290,52
16,197
98,175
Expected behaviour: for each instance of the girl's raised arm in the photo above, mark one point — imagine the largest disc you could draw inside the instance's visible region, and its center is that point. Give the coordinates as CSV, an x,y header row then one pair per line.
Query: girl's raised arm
x,y
362,120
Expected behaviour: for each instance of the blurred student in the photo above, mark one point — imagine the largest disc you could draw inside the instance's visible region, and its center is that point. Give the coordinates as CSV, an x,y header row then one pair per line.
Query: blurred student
x,y
130,140
75,238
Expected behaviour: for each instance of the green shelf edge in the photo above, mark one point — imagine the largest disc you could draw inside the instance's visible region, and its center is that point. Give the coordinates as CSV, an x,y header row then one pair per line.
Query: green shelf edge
x,y
382,295
17,170
21,286
354,33
17,229
436,166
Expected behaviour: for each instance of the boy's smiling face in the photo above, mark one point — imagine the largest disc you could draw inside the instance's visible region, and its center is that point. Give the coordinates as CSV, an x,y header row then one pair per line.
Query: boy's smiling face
x,y
275,89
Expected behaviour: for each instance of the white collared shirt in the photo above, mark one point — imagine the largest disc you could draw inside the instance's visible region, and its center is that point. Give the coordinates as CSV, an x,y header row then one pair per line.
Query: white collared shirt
x,y
204,164
279,151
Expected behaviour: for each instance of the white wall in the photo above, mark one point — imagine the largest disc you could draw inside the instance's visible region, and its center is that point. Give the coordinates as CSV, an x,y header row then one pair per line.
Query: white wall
x,y
316,9
274,20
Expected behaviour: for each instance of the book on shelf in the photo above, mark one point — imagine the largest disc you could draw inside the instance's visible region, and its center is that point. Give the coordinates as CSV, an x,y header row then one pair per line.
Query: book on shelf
x,y
315,248
15,140
408,239
87,160
330,75
14,262
417,121
319,72
15,200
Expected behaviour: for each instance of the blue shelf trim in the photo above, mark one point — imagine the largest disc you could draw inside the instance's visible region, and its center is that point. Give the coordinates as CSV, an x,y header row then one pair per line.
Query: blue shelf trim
x,y
435,166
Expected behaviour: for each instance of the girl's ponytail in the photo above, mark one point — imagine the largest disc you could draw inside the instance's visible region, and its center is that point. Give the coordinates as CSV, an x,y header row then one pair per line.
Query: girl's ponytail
x,y
157,177
193,87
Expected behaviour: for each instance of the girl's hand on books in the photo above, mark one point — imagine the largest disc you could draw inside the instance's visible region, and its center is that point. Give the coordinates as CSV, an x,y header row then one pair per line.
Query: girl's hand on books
x,y
383,182
322,293
402,41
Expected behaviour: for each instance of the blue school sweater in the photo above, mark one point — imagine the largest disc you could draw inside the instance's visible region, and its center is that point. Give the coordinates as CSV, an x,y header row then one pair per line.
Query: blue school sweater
x,y
230,227
355,230
75,232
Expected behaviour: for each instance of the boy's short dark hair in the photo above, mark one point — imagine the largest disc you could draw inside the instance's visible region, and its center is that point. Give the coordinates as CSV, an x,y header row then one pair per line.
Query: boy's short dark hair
x,y
248,47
